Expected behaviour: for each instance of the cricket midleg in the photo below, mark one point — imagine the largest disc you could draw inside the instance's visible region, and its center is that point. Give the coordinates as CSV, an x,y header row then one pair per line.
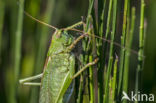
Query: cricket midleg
x,y
32,84
85,67
26,80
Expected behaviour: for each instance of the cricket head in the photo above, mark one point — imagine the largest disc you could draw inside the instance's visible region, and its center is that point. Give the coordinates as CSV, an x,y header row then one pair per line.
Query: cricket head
x,y
60,41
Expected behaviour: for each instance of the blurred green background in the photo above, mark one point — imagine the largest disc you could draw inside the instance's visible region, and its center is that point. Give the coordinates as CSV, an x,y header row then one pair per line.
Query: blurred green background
x,y
35,40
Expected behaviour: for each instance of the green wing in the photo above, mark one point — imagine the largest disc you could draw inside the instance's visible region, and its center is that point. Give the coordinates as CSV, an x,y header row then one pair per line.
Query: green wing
x,y
56,78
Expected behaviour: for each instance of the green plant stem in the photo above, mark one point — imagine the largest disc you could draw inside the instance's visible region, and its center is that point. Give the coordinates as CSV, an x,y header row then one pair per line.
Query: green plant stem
x,y
80,96
18,38
86,49
141,47
91,87
113,29
92,19
106,95
102,19
11,83
126,59
106,37
96,11
129,38
108,19
95,78
91,3
114,79
112,33
111,49
100,52
104,55
122,53
2,10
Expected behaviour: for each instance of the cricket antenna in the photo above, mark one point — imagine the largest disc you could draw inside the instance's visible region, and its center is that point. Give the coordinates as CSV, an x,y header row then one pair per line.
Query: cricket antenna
x,y
110,41
41,22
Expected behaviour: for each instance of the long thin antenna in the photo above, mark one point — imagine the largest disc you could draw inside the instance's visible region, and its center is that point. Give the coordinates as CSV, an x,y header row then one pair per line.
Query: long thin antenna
x,y
109,41
41,22
73,29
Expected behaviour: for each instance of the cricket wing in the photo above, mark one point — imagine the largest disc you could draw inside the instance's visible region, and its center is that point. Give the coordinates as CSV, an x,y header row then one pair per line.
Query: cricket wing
x,y
56,78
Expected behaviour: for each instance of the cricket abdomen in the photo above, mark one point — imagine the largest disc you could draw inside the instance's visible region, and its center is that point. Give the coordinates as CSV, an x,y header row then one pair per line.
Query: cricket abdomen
x,y
56,73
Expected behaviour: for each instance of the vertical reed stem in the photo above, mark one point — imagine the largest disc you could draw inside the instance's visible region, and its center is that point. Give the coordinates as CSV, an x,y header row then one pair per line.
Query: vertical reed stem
x,y
122,53
18,37
141,47
109,69
2,10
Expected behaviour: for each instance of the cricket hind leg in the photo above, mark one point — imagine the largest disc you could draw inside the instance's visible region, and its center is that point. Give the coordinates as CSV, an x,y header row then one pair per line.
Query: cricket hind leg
x,y
25,81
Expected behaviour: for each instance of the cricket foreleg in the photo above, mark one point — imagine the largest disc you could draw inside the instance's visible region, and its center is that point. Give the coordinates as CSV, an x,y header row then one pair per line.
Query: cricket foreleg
x,y
75,42
85,67
26,80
